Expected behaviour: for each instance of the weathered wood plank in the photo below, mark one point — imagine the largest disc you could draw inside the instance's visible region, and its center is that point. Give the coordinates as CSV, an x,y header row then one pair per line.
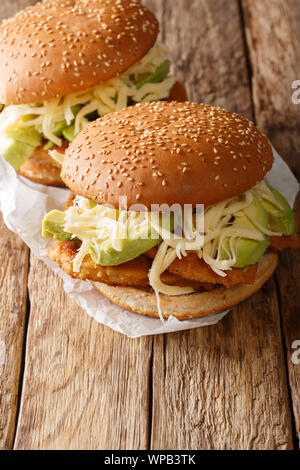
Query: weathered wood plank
x,y
85,386
206,46
223,386
274,43
13,298
9,8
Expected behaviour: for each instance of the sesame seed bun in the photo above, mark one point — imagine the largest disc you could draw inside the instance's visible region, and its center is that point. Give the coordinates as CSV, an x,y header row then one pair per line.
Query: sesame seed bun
x,y
167,152
189,306
56,47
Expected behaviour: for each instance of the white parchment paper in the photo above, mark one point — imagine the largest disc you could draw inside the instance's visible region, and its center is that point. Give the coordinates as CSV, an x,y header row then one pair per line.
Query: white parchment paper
x,y
24,204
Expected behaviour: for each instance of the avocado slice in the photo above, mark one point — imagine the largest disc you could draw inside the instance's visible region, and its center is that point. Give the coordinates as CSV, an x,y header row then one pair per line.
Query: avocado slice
x,y
53,226
160,73
28,135
48,145
69,133
249,252
15,152
62,178
107,255
139,241
280,220
18,143
59,127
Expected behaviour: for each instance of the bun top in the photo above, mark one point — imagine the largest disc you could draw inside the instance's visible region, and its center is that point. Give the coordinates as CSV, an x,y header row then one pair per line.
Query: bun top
x,y
167,152
63,46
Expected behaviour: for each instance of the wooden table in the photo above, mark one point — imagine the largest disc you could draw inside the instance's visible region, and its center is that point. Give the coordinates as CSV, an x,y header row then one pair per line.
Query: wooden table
x,y
68,382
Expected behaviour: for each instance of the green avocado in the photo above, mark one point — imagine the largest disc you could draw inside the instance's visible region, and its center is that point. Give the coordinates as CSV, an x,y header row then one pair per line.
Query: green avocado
x,y
249,251
53,226
61,175
15,152
69,133
138,242
28,135
132,247
157,76
18,143
48,145
280,220
59,127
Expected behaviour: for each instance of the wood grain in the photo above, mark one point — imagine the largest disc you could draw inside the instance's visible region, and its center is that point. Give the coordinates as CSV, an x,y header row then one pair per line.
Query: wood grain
x,y
13,298
10,7
85,386
205,42
223,386
274,45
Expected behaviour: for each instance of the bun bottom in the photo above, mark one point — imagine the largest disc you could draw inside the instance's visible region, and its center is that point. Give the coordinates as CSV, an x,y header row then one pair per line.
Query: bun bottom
x,y
199,304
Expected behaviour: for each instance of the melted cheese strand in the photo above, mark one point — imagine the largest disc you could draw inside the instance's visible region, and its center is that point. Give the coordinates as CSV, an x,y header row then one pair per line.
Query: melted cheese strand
x,y
82,252
261,228
163,259
57,156
158,306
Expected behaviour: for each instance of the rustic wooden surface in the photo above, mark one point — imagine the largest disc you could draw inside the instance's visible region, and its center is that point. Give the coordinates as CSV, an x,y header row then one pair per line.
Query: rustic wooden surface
x,y
13,299
233,385
274,47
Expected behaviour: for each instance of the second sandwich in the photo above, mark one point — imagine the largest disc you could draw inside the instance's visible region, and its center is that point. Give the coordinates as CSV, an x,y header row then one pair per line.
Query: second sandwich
x,y
64,64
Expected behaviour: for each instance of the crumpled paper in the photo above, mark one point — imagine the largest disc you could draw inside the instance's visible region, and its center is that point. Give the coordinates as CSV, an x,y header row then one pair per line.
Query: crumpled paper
x,y
24,204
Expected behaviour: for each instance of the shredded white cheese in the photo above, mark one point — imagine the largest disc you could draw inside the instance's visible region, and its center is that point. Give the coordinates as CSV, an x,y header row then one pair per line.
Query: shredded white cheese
x,y
57,156
95,224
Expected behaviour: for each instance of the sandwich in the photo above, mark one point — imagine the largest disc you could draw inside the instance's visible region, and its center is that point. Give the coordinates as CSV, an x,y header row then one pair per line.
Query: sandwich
x,y
169,212
65,64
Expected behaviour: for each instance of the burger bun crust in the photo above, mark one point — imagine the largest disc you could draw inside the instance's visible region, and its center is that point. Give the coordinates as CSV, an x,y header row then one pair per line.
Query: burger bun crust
x,y
167,153
56,48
